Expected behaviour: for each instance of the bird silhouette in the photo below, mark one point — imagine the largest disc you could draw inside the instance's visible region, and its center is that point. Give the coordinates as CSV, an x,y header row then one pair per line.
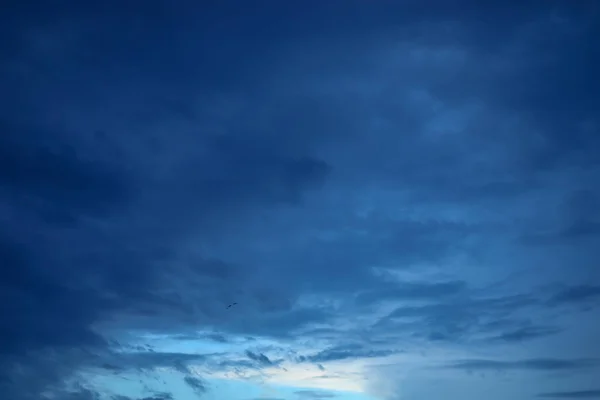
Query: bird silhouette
x,y
231,305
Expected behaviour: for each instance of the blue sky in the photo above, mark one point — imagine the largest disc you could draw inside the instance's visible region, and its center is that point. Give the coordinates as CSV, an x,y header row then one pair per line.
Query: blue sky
x,y
398,196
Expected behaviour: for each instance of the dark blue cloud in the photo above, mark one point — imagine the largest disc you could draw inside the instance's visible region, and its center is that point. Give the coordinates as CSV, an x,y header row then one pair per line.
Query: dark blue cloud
x,y
355,176
85,229
527,333
576,294
51,177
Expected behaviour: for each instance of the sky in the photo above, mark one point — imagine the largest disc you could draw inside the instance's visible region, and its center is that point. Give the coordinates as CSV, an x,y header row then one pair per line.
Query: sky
x,y
268,200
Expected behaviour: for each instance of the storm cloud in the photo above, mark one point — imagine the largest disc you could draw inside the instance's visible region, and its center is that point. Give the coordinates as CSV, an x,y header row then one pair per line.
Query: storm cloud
x,y
380,188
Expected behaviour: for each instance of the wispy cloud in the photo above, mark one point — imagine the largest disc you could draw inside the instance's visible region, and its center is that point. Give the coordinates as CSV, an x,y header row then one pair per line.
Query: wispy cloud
x,y
314,394
344,352
527,333
575,394
541,364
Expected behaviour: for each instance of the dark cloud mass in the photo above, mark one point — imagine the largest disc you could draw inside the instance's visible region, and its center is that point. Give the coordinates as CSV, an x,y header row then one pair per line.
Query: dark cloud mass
x,y
576,294
370,183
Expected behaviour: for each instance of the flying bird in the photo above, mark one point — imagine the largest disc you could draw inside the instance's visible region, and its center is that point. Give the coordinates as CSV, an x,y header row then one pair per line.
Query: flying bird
x,y
231,305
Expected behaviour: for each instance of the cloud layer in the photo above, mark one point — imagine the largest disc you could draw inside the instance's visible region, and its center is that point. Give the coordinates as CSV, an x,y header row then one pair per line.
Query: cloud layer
x,y
383,189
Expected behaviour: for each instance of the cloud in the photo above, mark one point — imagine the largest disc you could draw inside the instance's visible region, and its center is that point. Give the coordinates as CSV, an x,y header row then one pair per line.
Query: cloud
x,y
87,394
575,394
541,364
107,235
267,398
62,185
260,358
82,394
162,396
149,360
352,186
527,333
314,394
345,352
576,294
156,396
411,291
196,384
280,323
464,318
